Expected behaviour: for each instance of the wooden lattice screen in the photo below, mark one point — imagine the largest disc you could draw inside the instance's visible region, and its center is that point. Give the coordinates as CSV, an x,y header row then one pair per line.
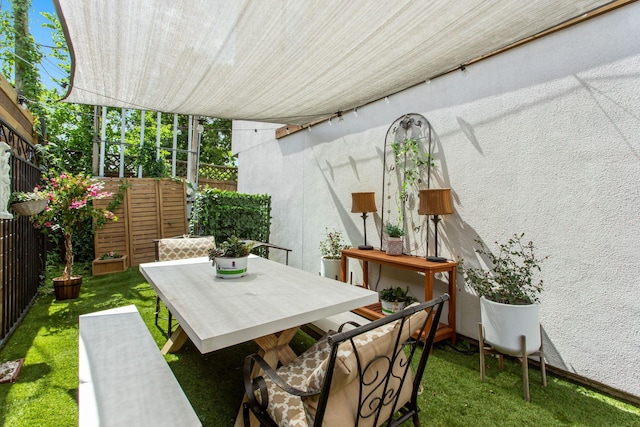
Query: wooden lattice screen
x,y
151,209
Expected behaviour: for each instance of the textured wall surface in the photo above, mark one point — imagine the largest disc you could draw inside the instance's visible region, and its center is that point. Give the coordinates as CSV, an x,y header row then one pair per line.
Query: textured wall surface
x,y
542,139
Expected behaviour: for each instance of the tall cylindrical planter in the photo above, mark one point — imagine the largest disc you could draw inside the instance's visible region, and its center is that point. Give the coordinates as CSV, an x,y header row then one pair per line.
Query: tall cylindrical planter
x,y
330,268
67,289
504,324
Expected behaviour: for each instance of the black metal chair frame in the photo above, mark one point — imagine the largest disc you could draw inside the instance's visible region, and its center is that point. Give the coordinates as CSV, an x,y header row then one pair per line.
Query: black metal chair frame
x,y
426,333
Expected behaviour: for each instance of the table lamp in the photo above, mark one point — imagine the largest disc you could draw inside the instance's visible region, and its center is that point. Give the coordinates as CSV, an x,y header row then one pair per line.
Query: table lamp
x,y
435,202
363,203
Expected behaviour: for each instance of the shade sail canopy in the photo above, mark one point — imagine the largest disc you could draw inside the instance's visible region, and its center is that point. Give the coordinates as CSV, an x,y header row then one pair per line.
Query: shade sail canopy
x,y
283,61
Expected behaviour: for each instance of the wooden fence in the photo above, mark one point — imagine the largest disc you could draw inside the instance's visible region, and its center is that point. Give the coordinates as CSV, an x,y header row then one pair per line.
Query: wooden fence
x,y
151,209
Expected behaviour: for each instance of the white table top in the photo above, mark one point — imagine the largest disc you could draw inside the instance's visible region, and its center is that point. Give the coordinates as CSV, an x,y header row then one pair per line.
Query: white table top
x,y
217,313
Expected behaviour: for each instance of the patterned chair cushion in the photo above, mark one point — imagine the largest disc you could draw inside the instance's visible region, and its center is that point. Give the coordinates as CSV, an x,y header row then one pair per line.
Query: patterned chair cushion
x,y
185,247
286,409
308,371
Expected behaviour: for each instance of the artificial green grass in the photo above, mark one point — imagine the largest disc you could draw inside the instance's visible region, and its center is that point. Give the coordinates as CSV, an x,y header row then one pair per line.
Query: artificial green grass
x,y
46,392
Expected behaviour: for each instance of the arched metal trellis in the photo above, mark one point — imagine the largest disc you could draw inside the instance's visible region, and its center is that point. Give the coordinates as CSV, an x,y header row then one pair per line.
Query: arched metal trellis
x,y
406,170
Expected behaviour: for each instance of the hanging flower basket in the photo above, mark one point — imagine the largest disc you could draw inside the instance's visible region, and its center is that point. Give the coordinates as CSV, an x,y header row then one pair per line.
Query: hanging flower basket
x,y
30,207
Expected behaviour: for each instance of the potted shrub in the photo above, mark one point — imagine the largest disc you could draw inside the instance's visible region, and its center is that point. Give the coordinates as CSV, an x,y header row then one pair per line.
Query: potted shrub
x,y
69,204
395,299
28,203
230,258
331,250
509,295
394,239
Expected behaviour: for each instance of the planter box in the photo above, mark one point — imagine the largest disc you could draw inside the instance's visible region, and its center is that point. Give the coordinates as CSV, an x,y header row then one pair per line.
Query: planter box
x,y
106,266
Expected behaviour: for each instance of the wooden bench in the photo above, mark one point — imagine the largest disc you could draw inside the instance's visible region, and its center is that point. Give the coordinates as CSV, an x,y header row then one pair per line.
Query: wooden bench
x,y
124,380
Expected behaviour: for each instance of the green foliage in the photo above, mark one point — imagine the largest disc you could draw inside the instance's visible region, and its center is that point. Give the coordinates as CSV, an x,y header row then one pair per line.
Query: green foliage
x,y
215,143
397,295
509,280
231,248
152,167
223,214
394,230
331,247
22,196
410,161
20,54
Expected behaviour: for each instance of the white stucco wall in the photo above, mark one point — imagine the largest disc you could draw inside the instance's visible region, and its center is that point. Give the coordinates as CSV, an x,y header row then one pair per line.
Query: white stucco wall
x,y
543,139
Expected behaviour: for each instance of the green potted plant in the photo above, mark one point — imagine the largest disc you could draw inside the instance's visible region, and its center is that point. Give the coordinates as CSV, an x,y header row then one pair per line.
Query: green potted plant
x,y
331,251
28,203
509,295
70,200
395,299
394,239
230,258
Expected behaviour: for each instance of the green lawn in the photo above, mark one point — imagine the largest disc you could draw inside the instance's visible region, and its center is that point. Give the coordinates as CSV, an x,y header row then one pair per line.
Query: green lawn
x,y
46,392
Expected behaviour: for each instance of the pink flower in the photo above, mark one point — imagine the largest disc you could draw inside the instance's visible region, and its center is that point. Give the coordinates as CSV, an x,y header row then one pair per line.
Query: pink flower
x,y
78,204
47,224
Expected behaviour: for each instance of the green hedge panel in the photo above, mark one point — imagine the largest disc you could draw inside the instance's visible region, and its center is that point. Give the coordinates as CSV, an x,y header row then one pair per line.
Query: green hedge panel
x,y
223,214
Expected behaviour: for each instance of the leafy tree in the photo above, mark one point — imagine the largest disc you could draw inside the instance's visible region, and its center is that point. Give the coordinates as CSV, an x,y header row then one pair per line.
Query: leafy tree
x,y
21,63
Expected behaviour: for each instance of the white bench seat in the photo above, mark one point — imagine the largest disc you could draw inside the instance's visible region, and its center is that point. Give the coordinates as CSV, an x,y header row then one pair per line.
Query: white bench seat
x,y
322,326
124,379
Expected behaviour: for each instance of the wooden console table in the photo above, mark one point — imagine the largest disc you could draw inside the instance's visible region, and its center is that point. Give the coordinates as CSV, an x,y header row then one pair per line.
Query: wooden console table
x,y
406,262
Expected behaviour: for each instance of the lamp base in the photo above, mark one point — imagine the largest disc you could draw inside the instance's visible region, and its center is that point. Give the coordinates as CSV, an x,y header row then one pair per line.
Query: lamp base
x,y
365,247
436,259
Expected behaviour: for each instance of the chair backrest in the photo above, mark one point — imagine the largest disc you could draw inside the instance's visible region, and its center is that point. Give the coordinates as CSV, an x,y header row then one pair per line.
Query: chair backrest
x,y
368,376
183,247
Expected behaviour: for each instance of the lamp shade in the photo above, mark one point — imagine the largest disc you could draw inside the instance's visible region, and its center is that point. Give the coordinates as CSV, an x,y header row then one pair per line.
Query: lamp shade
x,y
363,202
435,201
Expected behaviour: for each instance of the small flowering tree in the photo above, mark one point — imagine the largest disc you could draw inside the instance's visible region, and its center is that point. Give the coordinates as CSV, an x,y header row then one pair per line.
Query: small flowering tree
x,y
70,203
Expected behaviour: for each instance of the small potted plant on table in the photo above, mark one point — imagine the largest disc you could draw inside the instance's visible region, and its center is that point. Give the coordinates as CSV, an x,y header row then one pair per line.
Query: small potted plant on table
x,y
230,258
331,251
394,239
395,299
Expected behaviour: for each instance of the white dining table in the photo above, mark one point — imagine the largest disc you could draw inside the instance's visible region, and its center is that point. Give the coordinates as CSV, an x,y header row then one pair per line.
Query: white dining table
x,y
268,305
216,313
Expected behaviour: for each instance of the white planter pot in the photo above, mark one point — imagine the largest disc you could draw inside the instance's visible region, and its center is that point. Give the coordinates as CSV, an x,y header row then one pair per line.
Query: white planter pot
x,y
231,268
390,307
503,325
394,245
330,268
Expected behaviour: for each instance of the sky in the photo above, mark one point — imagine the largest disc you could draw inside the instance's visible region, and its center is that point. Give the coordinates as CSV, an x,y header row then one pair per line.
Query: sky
x,y
43,37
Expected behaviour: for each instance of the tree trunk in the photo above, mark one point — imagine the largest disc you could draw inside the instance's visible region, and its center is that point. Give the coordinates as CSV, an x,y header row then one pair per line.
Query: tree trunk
x,y
68,257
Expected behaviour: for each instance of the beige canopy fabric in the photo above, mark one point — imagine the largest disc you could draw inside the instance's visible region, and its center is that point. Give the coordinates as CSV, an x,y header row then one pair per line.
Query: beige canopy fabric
x,y
283,61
